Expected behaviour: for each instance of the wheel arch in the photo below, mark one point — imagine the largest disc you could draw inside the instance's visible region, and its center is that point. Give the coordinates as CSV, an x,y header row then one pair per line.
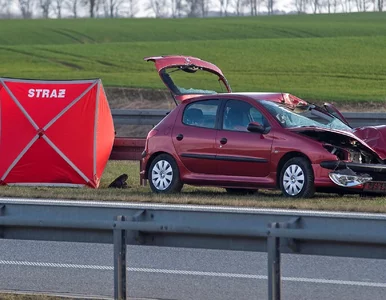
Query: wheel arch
x,y
286,158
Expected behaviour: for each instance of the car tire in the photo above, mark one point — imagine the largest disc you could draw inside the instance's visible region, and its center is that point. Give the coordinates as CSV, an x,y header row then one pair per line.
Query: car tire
x,y
164,176
234,191
297,178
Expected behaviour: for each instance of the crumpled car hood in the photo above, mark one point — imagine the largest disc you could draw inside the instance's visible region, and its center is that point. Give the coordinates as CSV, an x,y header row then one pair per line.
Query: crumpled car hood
x,y
373,135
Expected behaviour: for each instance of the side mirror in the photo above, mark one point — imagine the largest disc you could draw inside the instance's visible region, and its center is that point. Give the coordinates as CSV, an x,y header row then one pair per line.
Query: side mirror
x,y
257,127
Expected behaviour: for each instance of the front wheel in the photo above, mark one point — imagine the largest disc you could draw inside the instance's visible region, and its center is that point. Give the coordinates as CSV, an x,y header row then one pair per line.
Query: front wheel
x,y
297,178
164,176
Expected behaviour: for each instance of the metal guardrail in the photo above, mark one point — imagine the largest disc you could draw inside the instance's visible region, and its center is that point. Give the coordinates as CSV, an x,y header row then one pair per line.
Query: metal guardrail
x,y
138,116
365,119
126,148
153,116
263,230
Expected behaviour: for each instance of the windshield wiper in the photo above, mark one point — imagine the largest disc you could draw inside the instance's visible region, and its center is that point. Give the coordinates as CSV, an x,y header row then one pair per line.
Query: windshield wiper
x,y
300,126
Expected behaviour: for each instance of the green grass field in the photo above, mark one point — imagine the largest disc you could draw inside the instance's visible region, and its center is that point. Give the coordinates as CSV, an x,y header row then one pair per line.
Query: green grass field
x,y
324,57
96,31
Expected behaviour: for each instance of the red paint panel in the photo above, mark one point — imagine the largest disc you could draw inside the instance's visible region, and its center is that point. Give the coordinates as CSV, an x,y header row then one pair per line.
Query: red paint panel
x,y
52,97
41,164
73,133
168,61
15,131
162,62
104,134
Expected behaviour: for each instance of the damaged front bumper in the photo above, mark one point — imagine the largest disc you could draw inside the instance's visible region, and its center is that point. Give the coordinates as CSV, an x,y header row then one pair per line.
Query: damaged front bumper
x,y
371,177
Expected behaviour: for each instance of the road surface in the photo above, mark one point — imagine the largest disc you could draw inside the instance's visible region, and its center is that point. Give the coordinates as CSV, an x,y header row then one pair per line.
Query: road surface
x,y
175,273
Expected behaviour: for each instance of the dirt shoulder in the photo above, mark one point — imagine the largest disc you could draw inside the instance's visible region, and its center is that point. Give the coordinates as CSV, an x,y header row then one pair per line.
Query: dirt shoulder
x,y
130,98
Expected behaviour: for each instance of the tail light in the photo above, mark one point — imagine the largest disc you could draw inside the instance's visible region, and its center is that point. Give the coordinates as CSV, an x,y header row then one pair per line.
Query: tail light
x,y
152,133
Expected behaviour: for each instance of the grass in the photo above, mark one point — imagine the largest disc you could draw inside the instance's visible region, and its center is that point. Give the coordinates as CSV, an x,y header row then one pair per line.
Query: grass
x,y
96,31
322,58
193,195
26,297
9,296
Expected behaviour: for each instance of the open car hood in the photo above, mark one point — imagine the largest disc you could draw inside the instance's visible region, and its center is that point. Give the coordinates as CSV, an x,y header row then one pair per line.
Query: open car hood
x,y
188,65
374,136
366,143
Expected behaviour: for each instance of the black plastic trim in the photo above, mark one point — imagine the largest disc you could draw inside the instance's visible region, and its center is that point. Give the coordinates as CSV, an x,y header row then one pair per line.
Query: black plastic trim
x,y
224,158
242,159
201,156
336,165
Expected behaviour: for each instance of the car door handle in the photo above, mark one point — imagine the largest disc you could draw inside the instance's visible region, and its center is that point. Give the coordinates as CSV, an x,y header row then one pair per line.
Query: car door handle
x,y
223,141
179,137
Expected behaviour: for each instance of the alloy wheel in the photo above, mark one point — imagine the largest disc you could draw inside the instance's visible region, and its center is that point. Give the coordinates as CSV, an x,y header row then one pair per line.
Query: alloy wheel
x,y
162,175
293,180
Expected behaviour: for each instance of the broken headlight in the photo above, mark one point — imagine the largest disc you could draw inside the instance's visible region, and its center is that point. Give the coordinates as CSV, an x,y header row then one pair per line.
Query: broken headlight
x,y
348,178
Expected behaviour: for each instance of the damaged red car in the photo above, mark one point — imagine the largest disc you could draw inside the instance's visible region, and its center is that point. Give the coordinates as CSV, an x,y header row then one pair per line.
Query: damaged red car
x,y
246,141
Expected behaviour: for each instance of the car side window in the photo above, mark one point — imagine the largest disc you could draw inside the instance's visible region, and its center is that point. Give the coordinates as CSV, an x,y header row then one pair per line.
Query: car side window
x,y
201,114
257,116
238,114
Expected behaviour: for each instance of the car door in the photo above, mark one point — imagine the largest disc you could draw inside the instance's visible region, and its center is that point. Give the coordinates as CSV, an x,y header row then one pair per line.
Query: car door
x,y
194,136
240,152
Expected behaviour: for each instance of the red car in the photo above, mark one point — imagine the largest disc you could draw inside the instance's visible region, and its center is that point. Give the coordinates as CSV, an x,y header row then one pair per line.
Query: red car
x,y
246,141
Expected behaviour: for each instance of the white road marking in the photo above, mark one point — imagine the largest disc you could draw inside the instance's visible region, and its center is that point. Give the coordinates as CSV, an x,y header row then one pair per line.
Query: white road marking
x,y
197,273
53,265
341,282
192,273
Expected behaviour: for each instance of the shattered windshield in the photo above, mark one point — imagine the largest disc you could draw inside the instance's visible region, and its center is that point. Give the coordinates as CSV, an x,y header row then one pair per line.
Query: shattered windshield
x,y
185,80
304,116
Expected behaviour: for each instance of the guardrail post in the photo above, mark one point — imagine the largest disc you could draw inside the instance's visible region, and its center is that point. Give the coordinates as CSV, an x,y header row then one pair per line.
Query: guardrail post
x,y
274,272
120,261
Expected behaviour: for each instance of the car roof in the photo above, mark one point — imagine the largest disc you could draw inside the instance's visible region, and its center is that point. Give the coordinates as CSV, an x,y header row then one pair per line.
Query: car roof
x,y
262,96
277,97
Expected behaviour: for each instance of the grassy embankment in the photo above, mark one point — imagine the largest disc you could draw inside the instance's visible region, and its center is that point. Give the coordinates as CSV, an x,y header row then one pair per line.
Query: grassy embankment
x,y
322,57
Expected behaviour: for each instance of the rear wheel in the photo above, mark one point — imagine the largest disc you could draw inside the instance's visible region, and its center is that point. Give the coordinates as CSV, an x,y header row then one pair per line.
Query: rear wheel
x,y
164,176
297,178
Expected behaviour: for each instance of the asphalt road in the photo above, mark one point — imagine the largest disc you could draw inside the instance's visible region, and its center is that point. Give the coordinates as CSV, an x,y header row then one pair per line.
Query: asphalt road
x,y
171,273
